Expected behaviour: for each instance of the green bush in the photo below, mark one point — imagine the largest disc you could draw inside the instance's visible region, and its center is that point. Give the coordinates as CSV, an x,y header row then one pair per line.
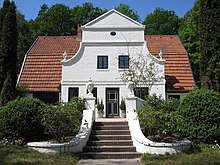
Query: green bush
x,y
159,117
77,103
22,118
64,119
201,112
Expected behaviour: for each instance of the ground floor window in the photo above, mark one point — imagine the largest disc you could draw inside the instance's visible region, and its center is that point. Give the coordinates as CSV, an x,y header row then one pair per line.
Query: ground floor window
x,y
73,92
47,97
141,92
174,96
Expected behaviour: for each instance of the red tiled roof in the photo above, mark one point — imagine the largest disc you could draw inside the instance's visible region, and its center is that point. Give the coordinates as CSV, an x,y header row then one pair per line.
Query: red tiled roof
x,y
42,69
178,72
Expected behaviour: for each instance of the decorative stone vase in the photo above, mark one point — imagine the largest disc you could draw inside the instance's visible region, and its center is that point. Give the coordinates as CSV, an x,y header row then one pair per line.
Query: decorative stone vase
x,y
90,87
130,86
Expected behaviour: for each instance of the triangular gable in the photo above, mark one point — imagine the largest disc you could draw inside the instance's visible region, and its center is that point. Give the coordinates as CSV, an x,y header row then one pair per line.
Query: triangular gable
x,y
107,20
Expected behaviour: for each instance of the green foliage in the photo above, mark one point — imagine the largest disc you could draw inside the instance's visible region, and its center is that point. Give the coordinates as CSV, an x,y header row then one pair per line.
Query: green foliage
x,y
24,38
21,90
22,118
55,21
8,89
201,113
126,10
85,13
203,157
77,103
122,105
43,9
189,36
161,22
209,36
8,52
159,117
64,119
100,106
19,155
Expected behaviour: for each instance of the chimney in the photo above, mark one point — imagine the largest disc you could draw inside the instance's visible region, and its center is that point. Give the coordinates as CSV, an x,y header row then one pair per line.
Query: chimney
x,y
79,33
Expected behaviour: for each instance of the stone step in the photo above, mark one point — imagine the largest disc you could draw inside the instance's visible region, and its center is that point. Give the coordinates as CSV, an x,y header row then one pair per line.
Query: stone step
x,y
110,132
109,149
109,137
111,127
110,140
110,123
110,155
110,143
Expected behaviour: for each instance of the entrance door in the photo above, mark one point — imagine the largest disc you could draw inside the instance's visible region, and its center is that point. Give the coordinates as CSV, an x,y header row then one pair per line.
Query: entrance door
x,y
112,102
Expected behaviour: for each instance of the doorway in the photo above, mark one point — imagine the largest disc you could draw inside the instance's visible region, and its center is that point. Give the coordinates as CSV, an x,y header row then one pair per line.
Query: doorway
x,y
112,102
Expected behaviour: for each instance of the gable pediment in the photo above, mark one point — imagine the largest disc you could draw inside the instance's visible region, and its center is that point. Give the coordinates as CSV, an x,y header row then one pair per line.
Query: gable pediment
x,y
108,20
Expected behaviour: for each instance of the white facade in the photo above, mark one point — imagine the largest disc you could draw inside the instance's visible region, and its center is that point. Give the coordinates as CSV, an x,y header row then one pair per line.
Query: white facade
x,y
127,38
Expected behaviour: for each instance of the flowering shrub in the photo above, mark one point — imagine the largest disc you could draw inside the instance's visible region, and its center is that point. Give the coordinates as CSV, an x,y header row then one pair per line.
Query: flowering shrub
x,y
4,141
20,141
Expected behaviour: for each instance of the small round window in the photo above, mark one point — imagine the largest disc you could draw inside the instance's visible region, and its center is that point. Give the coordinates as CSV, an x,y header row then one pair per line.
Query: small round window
x,y
113,33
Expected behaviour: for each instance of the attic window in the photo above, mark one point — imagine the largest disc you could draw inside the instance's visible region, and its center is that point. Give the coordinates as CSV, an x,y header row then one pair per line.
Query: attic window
x,y
113,33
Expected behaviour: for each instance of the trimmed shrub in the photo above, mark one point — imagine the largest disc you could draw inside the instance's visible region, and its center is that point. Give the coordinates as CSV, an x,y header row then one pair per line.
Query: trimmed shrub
x,y
159,117
64,119
201,113
22,118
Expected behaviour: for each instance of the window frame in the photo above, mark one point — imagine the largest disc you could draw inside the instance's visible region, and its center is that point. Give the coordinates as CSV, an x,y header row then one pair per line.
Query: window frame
x,y
141,92
102,65
74,94
123,59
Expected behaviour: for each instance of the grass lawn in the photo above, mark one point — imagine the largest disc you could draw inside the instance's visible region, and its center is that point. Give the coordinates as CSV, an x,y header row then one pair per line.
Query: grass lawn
x,y
206,156
11,154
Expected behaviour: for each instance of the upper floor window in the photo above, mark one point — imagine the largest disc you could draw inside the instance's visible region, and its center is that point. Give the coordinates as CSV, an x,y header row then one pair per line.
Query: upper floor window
x,y
102,62
123,61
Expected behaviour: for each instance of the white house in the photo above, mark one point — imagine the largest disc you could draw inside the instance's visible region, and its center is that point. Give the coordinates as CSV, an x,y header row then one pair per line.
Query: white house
x,y
58,68
102,56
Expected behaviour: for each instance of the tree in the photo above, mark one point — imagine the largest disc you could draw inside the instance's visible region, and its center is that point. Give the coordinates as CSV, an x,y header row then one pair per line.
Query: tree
x,y
85,13
141,72
209,36
24,38
8,52
3,12
189,36
55,21
61,20
43,9
161,22
126,10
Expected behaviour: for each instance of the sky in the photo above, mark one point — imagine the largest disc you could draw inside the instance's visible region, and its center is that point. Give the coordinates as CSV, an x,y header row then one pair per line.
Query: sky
x,y
30,8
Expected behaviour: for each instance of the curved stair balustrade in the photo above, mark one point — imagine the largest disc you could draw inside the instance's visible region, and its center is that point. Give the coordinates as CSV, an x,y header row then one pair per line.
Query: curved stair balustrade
x,y
144,145
79,141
